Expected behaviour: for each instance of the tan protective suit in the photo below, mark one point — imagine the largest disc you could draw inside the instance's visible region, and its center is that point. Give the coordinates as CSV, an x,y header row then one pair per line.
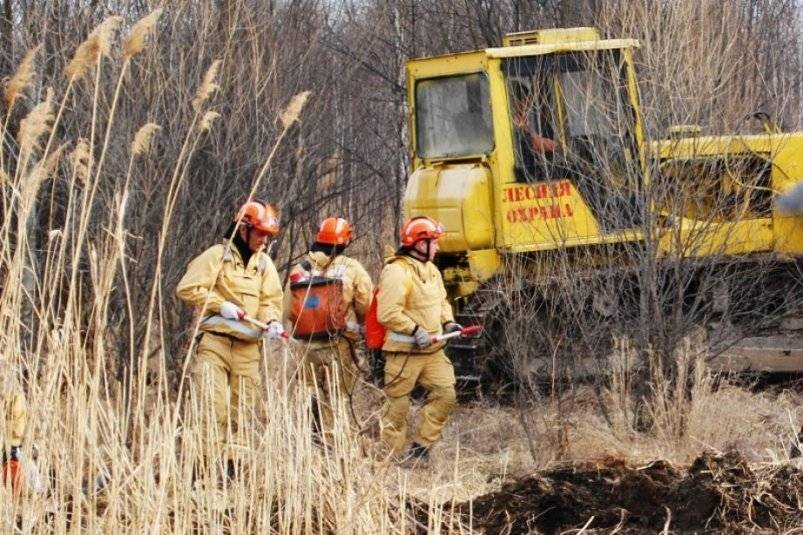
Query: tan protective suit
x,y
333,364
16,415
411,293
226,372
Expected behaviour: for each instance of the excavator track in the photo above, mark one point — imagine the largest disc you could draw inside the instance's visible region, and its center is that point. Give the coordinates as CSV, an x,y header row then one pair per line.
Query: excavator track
x,y
755,343
466,353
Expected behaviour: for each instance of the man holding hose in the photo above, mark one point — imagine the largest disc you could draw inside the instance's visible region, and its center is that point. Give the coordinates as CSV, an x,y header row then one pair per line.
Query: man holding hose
x,y
412,305
230,284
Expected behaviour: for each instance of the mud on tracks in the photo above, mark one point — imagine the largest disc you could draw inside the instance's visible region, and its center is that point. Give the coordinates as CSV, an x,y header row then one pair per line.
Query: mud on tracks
x,y
719,493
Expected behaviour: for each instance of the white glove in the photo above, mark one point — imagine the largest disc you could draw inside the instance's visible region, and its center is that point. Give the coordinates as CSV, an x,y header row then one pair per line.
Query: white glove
x,y
274,330
230,311
451,327
422,338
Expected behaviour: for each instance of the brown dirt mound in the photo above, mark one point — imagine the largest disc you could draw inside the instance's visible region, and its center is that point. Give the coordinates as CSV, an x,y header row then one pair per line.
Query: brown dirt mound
x,y
719,492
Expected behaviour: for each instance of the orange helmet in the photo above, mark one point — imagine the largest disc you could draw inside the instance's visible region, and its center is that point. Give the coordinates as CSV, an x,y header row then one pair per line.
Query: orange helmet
x,y
420,228
334,231
259,216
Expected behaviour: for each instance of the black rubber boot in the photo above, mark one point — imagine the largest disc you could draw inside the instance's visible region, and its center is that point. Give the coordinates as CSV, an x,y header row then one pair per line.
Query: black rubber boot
x,y
378,368
417,454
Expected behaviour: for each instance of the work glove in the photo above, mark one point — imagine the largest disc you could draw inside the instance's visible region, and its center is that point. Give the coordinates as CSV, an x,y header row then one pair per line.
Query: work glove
x,y
274,330
451,326
230,311
422,338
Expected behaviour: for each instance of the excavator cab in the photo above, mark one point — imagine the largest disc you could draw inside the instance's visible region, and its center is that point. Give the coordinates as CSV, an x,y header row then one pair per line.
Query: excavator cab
x,y
534,159
533,146
572,119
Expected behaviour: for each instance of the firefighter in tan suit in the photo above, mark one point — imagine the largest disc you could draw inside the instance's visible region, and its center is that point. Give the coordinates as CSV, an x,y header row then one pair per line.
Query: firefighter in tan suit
x,y
228,283
330,360
412,305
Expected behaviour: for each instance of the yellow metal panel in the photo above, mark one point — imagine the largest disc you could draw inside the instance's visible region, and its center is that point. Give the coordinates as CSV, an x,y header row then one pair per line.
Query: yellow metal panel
x,y
599,239
717,145
789,235
459,197
544,215
783,234
690,238
635,103
551,35
445,65
553,48
484,264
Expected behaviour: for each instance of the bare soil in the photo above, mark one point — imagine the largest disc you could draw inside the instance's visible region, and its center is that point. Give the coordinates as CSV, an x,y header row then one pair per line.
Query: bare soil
x,y
718,493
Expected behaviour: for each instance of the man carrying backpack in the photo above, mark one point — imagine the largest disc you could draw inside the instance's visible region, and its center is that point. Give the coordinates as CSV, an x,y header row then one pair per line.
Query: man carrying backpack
x,y
326,300
228,284
412,306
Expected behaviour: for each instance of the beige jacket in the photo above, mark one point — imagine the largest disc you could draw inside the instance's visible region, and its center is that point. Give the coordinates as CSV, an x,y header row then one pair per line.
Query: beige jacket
x,y
411,293
358,289
218,275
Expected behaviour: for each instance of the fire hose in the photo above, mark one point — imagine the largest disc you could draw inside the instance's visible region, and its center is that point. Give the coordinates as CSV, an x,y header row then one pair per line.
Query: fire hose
x,y
471,330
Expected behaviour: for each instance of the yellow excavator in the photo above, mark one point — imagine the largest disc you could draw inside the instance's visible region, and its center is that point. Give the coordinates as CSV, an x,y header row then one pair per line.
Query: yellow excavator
x,y
565,226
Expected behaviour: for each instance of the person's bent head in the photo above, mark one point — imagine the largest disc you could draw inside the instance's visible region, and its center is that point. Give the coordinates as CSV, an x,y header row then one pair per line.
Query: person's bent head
x,y
419,238
256,223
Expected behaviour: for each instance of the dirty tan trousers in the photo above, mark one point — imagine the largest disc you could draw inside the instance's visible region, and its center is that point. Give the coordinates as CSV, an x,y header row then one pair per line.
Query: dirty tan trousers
x,y
330,373
226,378
435,373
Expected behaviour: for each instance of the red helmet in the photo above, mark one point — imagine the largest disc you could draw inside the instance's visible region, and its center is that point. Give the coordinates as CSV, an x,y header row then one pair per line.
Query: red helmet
x,y
261,217
334,231
420,228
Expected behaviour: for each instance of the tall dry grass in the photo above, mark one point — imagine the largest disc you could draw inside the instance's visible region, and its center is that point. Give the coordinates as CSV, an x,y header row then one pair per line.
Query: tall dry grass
x,y
120,453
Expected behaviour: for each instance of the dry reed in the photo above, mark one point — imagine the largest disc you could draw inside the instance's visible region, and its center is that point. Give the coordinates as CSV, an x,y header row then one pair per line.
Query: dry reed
x,y
97,45
21,80
207,87
141,145
134,42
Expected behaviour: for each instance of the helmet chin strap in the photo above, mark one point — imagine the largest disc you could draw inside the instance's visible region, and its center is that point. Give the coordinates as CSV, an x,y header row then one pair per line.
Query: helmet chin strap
x,y
418,255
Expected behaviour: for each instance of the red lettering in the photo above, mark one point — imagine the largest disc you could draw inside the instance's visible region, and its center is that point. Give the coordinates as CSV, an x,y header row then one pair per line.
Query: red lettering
x,y
508,195
511,215
565,189
554,211
522,214
530,193
541,192
532,213
568,208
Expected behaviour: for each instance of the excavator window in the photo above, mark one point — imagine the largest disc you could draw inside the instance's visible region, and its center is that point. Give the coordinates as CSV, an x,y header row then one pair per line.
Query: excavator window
x,y
453,117
571,118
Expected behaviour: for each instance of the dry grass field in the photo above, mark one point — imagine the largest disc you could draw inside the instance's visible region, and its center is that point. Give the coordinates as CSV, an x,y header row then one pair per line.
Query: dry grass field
x,y
105,196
